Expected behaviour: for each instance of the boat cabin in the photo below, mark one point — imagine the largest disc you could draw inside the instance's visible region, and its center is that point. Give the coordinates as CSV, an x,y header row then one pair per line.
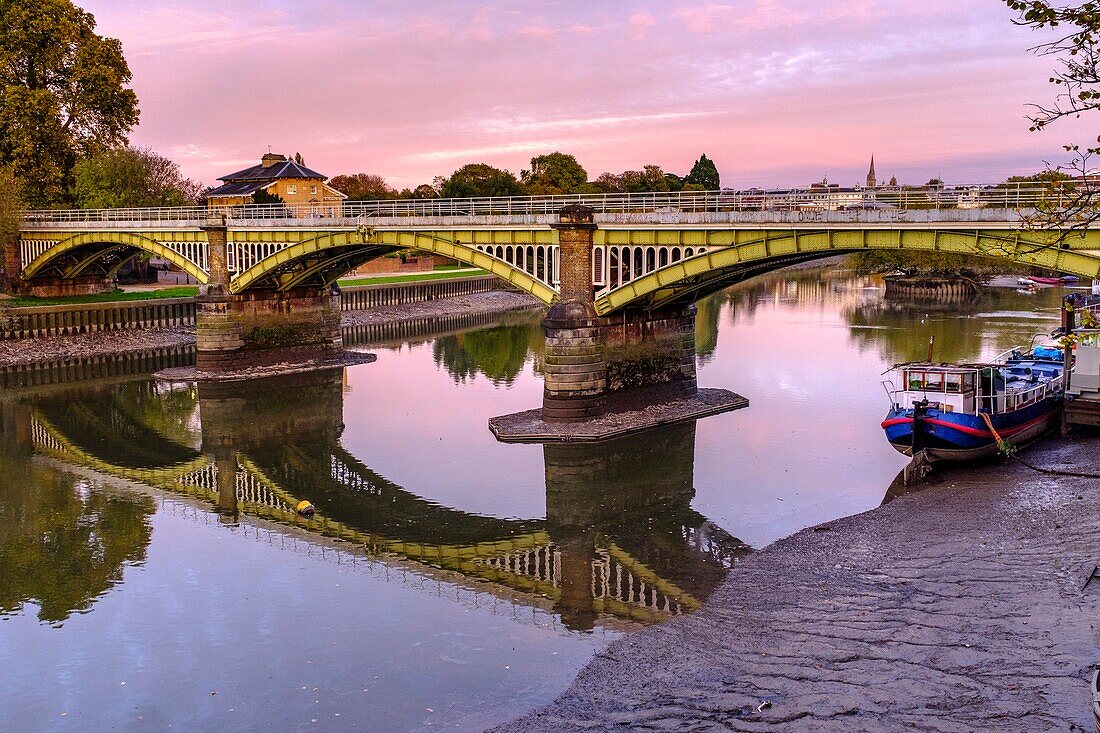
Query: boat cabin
x,y
974,388
948,388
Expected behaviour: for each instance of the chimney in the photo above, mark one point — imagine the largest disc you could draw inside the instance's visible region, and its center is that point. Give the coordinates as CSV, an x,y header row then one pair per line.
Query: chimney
x,y
271,159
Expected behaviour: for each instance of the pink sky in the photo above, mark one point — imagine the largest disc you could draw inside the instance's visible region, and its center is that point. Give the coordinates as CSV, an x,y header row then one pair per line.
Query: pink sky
x,y
777,92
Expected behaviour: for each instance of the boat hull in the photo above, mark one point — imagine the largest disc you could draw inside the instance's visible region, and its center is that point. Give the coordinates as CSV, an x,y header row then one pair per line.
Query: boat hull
x,y
951,436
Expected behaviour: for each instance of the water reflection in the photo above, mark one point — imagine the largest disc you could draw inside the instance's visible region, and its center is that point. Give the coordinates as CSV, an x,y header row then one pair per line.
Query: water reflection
x,y
62,543
498,353
620,541
983,326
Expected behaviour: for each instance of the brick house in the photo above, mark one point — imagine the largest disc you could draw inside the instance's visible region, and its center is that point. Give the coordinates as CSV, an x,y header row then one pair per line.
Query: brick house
x,y
287,179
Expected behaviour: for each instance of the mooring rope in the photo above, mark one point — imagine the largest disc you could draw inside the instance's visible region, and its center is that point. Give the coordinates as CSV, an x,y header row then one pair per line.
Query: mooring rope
x,y
1010,450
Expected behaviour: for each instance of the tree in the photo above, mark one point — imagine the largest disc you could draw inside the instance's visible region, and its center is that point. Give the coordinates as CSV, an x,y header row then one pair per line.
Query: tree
x,y
555,173
132,178
363,187
10,206
263,196
63,94
650,179
704,173
1077,80
480,179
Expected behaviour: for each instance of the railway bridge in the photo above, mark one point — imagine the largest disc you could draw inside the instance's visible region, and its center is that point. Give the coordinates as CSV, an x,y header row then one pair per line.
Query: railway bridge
x,y
620,273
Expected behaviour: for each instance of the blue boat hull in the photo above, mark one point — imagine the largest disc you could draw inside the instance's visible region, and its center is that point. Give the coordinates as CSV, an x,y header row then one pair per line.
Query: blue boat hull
x,y
956,436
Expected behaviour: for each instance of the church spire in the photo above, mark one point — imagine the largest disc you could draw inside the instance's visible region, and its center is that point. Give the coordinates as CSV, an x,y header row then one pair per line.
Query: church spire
x,y
871,180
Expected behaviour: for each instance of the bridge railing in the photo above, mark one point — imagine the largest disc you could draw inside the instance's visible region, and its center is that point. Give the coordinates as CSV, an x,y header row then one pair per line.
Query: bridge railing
x,y
969,196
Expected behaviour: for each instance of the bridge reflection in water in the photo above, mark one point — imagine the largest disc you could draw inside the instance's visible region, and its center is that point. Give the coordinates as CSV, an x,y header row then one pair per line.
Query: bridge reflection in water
x,y
620,541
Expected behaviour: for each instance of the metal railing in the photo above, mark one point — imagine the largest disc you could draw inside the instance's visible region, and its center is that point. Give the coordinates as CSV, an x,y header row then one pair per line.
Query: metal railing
x,y
971,196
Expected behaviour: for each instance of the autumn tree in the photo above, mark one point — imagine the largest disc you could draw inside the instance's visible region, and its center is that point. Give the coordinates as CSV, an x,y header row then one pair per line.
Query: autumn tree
x,y
10,206
704,174
363,187
480,179
63,94
132,178
552,174
1076,48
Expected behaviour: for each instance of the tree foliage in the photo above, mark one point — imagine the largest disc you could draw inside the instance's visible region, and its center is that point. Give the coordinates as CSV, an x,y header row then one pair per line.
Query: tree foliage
x,y
1076,47
480,179
705,174
10,206
650,179
131,178
63,94
554,173
363,187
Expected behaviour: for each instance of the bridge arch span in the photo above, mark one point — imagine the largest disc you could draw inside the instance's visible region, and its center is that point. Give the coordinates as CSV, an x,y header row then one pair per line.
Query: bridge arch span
x,y
695,277
326,257
79,253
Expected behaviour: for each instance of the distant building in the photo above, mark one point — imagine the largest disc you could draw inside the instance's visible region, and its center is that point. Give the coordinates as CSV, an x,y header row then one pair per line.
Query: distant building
x,y
278,176
872,181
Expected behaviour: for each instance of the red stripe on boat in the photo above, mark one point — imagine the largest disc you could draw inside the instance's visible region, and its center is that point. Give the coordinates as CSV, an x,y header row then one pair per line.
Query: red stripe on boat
x,y
967,429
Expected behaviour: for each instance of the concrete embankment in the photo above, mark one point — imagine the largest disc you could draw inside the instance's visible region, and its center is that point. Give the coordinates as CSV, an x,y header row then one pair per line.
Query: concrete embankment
x,y
964,606
78,345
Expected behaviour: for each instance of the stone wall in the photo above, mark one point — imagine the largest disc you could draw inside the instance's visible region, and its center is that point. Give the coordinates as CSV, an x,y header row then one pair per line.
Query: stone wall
x,y
249,329
651,351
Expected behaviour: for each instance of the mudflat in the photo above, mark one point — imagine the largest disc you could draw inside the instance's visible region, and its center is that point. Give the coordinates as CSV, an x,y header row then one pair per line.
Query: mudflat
x,y
965,605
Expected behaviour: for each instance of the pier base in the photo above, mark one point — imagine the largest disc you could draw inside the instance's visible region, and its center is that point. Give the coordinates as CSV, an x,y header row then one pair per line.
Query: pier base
x,y
610,376
258,328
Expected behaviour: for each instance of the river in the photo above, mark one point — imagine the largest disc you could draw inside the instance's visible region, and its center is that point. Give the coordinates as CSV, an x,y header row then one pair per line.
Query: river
x,y
153,575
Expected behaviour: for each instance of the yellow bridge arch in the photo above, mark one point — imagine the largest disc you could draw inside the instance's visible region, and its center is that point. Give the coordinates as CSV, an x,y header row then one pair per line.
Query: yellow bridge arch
x,y
87,248
755,252
344,250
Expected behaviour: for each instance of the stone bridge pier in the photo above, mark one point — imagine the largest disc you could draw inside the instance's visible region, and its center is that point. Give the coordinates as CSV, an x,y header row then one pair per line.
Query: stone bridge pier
x,y
236,330
592,363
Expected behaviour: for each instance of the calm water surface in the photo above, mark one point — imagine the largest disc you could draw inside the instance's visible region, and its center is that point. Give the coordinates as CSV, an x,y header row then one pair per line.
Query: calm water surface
x,y
153,577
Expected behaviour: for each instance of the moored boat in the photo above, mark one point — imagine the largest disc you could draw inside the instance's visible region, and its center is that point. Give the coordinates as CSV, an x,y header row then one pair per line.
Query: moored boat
x,y
959,412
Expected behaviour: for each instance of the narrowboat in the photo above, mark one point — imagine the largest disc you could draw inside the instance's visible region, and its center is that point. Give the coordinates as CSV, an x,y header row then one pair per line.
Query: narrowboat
x,y
959,412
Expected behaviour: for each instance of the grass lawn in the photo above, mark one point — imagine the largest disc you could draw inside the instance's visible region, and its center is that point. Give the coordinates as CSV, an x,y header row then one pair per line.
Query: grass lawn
x,y
412,277
24,301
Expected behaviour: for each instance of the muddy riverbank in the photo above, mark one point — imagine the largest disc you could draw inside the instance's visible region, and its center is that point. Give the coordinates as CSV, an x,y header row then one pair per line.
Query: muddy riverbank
x,y
964,606
30,351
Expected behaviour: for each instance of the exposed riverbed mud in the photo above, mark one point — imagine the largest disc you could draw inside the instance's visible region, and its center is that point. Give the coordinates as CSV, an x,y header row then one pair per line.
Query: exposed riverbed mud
x,y
103,343
963,606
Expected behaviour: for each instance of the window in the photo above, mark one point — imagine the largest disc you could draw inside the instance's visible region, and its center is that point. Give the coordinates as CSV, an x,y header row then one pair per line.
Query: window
x,y
291,189
313,190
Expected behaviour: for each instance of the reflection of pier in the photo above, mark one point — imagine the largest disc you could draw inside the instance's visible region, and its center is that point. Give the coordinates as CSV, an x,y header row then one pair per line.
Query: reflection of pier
x,y
620,539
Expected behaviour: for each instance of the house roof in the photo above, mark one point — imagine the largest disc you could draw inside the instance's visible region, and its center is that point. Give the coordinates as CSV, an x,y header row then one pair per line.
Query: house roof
x,y
281,169
239,188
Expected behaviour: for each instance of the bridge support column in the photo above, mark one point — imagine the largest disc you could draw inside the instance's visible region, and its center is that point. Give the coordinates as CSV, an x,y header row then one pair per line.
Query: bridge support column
x,y
256,328
575,372
637,364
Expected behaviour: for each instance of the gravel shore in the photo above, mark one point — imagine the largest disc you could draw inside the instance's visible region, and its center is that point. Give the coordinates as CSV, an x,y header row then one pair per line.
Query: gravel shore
x,y
29,351
964,606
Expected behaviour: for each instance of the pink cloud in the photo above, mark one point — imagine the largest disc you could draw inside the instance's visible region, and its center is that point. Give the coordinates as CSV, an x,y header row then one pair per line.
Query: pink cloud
x,y
776,91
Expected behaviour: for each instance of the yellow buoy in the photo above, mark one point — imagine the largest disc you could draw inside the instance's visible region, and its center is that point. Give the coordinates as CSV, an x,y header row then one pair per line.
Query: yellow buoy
x,y
305,508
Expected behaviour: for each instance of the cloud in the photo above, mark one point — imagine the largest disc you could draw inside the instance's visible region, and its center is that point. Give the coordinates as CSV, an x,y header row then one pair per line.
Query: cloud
x,y
776,91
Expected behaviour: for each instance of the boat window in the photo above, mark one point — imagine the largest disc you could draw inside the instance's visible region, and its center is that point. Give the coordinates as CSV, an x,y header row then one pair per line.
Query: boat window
x,y
933,381
968,382
915,380
953,382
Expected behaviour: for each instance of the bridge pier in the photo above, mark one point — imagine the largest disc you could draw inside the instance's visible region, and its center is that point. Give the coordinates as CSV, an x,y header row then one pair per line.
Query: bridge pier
x,y
257,328
621,364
